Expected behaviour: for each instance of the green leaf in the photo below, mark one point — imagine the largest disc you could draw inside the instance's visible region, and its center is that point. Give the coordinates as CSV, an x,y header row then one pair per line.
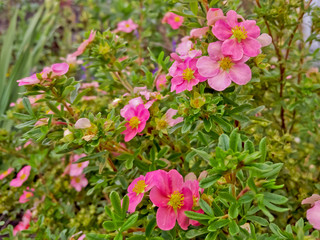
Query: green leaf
x,y
109,226
233,228
27,106
196,216
218,224
227,196
217,210
53,107
125,206
248,146
233,211
93,156
259,220
223,142
209,181
234,140
116,202
226,126
206,156
130,222
196,232
194,7
151,225
275,198
207,124
251,157
263,149
206,208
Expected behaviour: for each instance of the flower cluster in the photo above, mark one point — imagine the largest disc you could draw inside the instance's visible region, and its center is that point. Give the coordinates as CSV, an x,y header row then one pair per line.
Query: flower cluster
x,y
170,193
75,171
238,40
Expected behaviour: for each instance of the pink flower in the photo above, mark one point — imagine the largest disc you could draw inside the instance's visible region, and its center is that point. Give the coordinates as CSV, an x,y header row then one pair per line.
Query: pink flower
x,y
240,38
193,185
199,32
22,176
313,215
174,20
41,122
137,117
311,200
185,75
126,26
173,198
6,173
137,189
89,98
169,117
161,82
29,80
89,85
24,224
82,123
84,44
82,237
57,69
221,69
71,60
25,197
213,15
185,50
264,39
79,182
76,169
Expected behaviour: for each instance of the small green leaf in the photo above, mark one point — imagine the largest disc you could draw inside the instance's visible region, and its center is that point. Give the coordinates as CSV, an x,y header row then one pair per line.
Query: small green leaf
x,y
223,142
206,156
116,202
209,181
233,228
129,222
259,220
27,106
218,225
151,225
263,149
109,226
196,216
233,211
125,206
206,208
234,140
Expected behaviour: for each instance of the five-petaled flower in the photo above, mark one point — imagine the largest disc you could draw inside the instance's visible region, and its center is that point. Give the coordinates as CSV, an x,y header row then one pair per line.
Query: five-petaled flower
x,y
22,176
173,198
222,69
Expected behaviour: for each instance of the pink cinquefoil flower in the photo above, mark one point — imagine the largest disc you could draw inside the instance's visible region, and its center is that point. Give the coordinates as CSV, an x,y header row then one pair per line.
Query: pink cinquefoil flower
x,y
22,176
79,182
174,20
169,117
221,69
82,123
76,169
6,173
126,26
137,117
25,197
161,82
84,44
185,75
137,188
240,38
313,214
199,32
173,198
28,80
24,224
57,69
193,185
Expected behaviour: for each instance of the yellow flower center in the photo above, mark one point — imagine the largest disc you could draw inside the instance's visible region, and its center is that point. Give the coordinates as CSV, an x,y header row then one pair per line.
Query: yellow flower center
x,y
195,201
28,195
162,124
134,122
77,179
239,33
226,63
176,200
23,176
127,25
139,187
79,165
187,74
5,172
177,19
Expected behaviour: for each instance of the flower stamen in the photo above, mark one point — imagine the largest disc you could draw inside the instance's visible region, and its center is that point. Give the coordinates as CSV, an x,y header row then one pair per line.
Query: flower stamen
x,y
176,200
134,122
139,187
239,33
187,74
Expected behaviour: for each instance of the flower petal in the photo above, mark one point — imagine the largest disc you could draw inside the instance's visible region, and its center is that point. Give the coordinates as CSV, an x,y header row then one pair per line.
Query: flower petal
x,y
219,82
232,48
251,47
240,73
207,67
166,218
158,198
221,30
